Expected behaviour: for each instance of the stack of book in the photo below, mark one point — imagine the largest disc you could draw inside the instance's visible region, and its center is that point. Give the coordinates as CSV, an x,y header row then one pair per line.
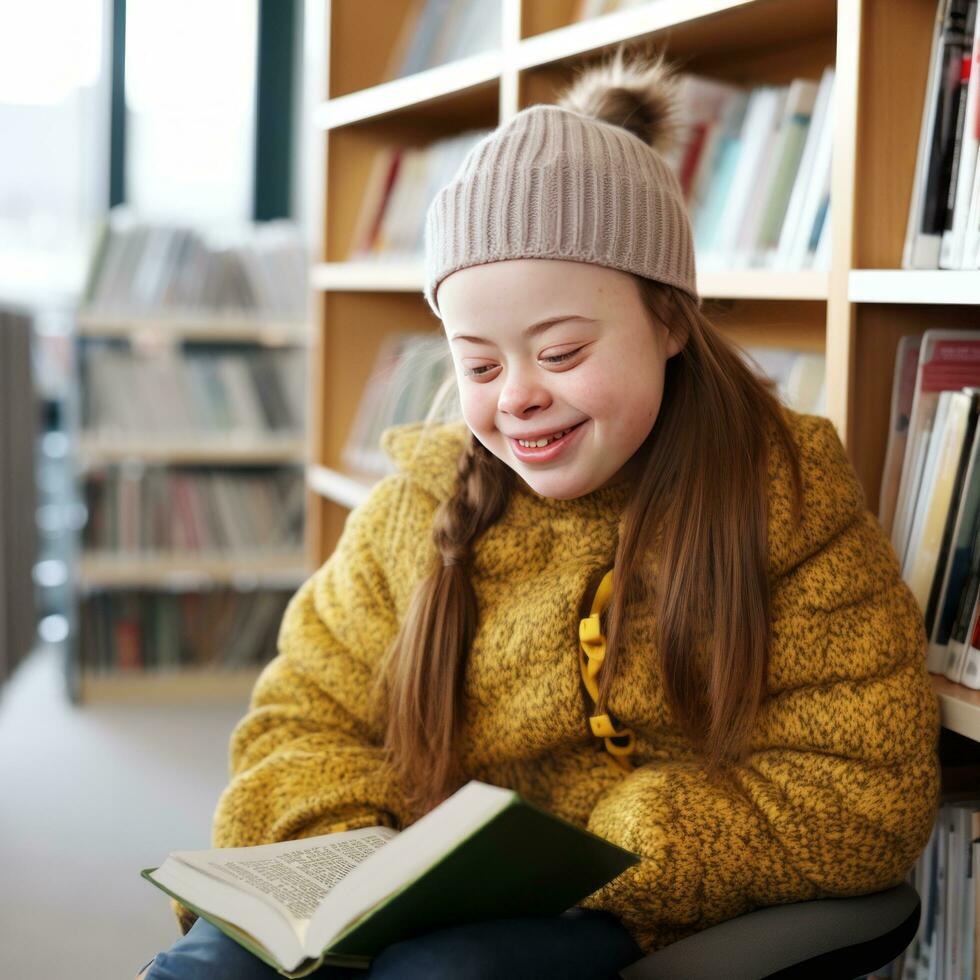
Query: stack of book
x,y
943,228
945,946
18,532
207,392
436,32
930,491
147,269
220,629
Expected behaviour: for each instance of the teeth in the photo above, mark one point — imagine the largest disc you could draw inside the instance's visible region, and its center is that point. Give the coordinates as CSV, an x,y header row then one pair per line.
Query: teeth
x,y
541,443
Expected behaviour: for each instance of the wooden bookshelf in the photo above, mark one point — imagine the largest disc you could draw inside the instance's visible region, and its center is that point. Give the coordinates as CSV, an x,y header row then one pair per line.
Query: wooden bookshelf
x,y
854,314
122,573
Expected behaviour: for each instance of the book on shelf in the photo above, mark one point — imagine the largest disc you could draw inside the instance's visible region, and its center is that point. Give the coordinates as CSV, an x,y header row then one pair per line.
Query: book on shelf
x,y
754,167
152,509
402,183
191,393
903,391
956,416
341,898
943,227
800,376
962,560
436,32
141,268
948,360
963,171
587,9
930,490
409,372
945,944
135,630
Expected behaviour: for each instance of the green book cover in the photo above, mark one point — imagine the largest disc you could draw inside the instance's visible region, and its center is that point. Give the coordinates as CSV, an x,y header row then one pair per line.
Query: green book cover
x,y
485,853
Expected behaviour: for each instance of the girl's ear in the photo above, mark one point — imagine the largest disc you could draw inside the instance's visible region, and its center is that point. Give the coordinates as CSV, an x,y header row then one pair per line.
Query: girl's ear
x,y
674,343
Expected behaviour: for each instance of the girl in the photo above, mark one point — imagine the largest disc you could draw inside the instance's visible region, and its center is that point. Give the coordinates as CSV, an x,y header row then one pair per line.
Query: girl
x,y
630,585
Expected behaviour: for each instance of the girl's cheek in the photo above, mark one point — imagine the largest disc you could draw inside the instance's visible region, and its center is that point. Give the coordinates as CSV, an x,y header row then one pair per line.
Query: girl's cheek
x,y
478,406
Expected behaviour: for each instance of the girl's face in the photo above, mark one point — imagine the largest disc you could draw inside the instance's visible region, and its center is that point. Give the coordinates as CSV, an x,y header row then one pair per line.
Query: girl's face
x,y
562,355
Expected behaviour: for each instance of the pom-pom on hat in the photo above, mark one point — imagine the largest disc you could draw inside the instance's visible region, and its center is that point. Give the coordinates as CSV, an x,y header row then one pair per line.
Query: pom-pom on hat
x,y
584,180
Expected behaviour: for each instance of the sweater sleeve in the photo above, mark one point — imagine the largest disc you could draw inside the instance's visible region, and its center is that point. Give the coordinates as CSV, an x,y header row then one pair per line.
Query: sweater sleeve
x,y
837,795
307,758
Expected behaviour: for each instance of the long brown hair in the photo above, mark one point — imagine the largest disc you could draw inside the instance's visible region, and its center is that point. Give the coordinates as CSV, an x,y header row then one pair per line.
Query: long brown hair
x,y
701,494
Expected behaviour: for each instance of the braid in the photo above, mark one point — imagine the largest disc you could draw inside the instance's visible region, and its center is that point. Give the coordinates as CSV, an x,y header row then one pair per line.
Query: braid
x,y
482,490
428,662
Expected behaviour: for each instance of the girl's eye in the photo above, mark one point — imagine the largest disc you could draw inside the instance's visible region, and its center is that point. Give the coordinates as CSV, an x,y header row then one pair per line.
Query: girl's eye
x,y
558,358
478,371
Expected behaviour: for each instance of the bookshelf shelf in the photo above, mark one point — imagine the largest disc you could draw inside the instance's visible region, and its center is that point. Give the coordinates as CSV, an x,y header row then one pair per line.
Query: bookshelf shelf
x,y
764,284
229,450
181,571
341,488
695,26
378,276
408,276
204,328
920,286
424,91
168,687
959,707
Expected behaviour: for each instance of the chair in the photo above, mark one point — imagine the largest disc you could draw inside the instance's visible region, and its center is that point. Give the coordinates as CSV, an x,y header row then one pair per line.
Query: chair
x,y
826,939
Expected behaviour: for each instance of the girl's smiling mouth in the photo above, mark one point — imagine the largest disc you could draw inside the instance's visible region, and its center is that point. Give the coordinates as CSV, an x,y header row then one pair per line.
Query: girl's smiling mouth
x,y
532,453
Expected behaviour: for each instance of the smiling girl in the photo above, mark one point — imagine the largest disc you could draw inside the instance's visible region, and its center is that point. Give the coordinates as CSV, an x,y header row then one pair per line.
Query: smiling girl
x,y
629,584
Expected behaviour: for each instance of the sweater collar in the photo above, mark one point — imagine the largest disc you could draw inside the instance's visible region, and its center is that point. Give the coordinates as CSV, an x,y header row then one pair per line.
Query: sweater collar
x,y
833,497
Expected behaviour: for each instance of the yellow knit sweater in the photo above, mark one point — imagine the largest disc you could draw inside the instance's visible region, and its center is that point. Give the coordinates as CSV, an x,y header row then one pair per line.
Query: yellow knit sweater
x,y
839,793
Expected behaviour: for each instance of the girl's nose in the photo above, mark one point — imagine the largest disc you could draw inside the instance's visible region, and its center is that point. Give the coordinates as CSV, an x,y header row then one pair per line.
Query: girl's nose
x,y
522,397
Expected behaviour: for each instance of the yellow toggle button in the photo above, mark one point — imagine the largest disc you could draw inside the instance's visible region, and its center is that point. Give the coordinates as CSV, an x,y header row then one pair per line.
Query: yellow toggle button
x,y
590,631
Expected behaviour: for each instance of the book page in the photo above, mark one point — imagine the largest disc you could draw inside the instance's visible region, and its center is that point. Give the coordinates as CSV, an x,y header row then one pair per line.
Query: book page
x,y
293,875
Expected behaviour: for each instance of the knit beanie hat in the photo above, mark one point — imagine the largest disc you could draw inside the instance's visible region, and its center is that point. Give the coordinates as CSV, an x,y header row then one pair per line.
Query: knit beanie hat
x,y
584,180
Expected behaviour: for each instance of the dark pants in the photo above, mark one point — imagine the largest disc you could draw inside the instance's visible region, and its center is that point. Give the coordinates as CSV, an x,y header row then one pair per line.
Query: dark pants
x,y
580,944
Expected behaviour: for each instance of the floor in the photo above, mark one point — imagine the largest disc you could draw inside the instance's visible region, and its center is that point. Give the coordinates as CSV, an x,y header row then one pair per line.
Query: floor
x,y
89,796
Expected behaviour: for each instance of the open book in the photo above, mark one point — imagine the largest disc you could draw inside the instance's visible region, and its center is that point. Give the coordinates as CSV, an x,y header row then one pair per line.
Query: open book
x,y
341,898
